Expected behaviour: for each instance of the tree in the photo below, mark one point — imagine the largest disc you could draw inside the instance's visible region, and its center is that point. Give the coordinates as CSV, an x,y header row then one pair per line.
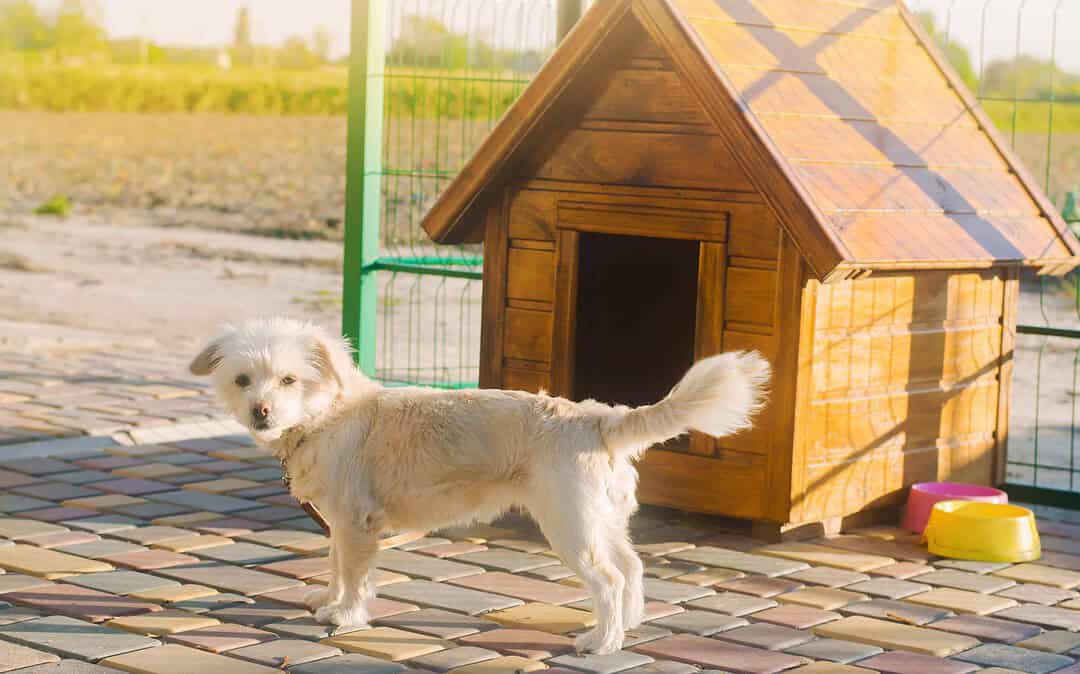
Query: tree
x,y
322,41
78,32
957,54
242,29
21,27
296,53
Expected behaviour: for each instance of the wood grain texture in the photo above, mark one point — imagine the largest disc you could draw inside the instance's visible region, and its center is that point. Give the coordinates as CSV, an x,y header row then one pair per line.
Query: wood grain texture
x,y
637,95
527,334
646,158
532,215
493,299
709,335
519,379
783,390
530,275
630,219
903,386
703,484
1009,308
566,313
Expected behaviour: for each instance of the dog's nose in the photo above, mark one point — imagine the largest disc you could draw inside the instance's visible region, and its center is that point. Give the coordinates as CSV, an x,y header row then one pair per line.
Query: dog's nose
x,y
260,411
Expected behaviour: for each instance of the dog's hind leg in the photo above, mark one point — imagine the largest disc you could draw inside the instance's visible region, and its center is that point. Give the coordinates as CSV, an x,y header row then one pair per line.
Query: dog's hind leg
x,y
580,537
633,571
624,504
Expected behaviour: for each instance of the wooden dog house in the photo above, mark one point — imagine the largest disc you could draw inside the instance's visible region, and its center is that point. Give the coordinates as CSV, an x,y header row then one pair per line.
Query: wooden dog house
x,y
808,179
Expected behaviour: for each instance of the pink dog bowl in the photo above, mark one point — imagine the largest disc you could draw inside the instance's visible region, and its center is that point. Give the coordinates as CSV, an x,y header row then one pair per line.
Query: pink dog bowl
x,y
924,495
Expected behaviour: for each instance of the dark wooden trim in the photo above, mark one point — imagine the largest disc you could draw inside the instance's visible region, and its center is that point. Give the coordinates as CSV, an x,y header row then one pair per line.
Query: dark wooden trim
x,y
748,142
493,300
564,337
629,219
709,329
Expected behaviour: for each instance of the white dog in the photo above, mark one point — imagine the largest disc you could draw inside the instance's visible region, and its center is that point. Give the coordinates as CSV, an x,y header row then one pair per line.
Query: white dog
x,y
376,459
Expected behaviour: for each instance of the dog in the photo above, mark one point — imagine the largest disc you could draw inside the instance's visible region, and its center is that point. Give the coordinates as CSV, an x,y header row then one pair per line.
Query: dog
x,y
376,460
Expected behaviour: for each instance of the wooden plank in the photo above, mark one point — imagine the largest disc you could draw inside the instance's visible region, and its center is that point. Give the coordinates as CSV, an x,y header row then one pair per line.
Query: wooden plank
x,y
530,275
849,96
702,484
783,391
758,439
882,142
526,380
916,240
654,159
527,334
566,291
493,298
754,233
1010,306
804,387
709,336
770,48
639,220
750,296
695,198
532,215
530,244
816,16
646,96
743,135
846,187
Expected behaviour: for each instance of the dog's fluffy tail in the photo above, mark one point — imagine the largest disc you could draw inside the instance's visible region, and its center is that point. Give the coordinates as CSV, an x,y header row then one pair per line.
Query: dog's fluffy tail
x,y
717,396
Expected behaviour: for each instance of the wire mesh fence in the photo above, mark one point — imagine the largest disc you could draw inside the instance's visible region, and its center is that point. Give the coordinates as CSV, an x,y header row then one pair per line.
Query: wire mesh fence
x,y
448,71
445,70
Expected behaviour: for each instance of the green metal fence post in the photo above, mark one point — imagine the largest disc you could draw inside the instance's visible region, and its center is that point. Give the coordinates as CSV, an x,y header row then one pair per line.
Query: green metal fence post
x,y
363,184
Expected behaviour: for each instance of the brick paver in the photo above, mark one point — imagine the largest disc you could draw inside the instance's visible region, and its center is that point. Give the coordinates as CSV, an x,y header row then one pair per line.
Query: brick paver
x,y
189,540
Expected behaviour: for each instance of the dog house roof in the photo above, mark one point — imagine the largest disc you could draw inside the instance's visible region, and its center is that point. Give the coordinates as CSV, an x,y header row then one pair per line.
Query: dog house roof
x,y
842,114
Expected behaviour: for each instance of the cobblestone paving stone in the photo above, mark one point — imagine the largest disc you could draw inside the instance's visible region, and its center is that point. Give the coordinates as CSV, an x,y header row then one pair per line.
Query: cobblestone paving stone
x,y
172,547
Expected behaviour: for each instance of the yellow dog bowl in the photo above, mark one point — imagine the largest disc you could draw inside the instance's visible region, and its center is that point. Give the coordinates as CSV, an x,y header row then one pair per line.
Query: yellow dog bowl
x,y
983,532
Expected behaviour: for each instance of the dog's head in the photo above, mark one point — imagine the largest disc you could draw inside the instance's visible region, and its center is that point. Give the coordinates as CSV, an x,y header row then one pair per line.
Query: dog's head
x,y
273,374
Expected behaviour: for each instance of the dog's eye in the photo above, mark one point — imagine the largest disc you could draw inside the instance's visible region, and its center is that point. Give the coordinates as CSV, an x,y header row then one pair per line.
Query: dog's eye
x,y
288,380
243,381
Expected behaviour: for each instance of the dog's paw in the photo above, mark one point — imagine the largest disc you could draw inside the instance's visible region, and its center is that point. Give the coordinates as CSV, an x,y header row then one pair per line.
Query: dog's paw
x,y
598,644
342,615
317,598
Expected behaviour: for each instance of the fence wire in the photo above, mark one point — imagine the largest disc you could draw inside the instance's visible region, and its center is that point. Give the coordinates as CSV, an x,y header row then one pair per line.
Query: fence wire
x,y
452,68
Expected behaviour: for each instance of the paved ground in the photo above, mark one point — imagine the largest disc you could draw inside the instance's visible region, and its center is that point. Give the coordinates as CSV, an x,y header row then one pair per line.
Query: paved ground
x,y
162,546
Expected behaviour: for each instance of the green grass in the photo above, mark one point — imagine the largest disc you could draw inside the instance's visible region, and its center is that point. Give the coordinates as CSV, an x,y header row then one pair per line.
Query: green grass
x,y
1035,117
175,88
57,205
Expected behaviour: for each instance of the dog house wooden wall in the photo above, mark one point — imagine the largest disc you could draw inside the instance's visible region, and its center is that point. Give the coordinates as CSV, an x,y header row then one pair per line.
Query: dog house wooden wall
x,y
686,177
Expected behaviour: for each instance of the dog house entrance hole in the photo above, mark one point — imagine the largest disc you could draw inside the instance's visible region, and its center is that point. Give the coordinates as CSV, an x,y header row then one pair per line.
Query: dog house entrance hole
x,y
636,316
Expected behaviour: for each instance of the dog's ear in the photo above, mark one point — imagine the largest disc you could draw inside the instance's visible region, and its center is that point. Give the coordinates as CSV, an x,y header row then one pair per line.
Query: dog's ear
x,y
208,359
332,356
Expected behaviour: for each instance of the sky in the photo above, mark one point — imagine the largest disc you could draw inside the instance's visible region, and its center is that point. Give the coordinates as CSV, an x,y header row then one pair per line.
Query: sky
x,y
210,22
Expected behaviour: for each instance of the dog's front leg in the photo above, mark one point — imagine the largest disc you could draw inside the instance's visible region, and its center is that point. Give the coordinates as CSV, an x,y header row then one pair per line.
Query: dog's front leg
x,y
331,594
355,548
